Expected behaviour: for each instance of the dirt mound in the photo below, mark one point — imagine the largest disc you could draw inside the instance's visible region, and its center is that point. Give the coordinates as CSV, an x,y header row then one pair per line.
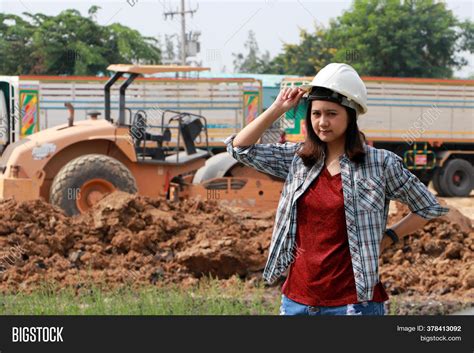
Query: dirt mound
x,y
137,240
435,260
128,239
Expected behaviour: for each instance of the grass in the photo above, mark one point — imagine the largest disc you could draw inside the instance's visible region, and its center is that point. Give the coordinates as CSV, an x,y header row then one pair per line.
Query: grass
x,y
207,297
394,306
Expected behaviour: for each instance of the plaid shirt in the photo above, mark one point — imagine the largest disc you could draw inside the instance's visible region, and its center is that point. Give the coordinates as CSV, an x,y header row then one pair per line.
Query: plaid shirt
x,y
367,188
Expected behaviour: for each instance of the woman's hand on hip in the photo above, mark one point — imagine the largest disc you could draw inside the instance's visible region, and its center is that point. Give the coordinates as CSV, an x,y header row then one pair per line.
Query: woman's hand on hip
x,y
386,243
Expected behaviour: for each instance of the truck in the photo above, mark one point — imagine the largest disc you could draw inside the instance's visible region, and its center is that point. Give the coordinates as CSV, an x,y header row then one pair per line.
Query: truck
x,y
19,109
29,104
427,122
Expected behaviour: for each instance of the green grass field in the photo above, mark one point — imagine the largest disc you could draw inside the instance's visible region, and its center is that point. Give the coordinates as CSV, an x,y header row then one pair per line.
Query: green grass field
x,y
208,297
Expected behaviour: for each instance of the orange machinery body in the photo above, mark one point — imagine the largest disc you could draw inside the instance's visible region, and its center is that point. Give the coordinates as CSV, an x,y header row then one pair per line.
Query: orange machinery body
x,y
30,165
246,188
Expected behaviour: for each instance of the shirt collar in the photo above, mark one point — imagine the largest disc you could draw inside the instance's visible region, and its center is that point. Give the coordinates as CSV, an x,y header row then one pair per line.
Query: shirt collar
x,y
342,157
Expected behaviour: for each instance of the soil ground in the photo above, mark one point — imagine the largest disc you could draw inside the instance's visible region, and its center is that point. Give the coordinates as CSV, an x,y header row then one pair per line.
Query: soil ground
x,y
138,241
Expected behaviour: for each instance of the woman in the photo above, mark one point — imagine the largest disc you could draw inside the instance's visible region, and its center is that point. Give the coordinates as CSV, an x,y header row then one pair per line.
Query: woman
x,y
330,226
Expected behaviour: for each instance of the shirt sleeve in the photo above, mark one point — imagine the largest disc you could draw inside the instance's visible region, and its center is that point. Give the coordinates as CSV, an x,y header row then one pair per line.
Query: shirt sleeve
x,y
404,186
272,158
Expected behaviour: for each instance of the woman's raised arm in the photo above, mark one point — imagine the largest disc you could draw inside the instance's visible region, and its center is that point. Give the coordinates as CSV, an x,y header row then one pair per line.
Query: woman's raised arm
x,y
273,158
287,99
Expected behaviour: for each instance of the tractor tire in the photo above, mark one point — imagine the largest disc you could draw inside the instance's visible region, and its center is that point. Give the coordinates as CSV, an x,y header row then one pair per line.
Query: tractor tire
x,y
457,177
437,175
85,180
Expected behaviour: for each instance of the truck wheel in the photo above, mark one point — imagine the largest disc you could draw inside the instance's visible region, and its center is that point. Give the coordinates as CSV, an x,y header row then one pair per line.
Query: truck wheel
x,y
437,176
458,177
82,182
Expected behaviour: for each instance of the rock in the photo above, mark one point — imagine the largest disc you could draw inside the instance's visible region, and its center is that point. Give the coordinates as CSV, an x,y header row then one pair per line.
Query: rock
x,y
156,275
468,280
453,251
76,256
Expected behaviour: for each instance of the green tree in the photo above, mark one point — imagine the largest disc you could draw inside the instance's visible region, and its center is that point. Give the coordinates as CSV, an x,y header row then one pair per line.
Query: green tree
x,y
15,45
69,44
304,59
251,62
133,47
412,38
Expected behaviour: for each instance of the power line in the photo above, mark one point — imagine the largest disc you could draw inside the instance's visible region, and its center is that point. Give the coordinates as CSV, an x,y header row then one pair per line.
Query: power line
x,y
184,40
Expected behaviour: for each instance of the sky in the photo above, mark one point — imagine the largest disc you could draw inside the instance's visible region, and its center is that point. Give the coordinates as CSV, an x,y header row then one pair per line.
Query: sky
x,y
224,24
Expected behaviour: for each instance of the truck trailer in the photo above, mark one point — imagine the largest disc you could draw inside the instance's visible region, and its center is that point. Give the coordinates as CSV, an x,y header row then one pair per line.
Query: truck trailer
x,y
428,122
29,104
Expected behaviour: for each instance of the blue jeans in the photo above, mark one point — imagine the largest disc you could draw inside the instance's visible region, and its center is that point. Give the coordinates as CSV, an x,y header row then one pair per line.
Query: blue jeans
x,y
290,307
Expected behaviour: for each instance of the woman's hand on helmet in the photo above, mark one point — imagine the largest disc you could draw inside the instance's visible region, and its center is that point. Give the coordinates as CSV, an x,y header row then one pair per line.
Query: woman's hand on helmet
x,y
288,98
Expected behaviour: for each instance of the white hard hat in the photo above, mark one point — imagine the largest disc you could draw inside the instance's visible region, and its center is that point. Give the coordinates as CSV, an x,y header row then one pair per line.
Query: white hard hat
x,y
343,79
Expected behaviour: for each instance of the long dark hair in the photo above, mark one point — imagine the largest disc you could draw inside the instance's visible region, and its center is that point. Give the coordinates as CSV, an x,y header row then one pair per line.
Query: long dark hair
x,y
313,147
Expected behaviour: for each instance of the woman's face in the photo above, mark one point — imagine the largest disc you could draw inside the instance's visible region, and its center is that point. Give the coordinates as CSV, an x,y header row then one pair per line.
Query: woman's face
x,y
329,120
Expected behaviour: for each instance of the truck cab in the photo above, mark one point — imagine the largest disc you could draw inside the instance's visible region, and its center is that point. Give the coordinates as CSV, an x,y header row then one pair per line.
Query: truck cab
x,y
19,109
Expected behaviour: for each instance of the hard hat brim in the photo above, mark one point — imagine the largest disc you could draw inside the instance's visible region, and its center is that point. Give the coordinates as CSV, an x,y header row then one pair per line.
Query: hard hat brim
x,y
309,87
306,87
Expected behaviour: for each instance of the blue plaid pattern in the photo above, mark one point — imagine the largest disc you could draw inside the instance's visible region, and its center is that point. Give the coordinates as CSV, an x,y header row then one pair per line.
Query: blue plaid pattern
x,y
367,189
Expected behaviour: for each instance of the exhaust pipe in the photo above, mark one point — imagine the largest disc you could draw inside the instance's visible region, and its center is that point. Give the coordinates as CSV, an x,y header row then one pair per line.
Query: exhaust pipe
x,y
70,119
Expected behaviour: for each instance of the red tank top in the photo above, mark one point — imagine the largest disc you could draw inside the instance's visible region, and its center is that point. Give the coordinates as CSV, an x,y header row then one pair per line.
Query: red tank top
x,y
322,274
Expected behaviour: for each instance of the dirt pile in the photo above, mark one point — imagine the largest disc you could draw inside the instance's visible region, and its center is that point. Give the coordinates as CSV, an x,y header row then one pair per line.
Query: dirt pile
x,y
137,240
435,260
128,239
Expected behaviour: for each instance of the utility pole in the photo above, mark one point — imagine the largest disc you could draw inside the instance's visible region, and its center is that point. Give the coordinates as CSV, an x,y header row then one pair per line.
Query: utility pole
x,y
184,40
183,34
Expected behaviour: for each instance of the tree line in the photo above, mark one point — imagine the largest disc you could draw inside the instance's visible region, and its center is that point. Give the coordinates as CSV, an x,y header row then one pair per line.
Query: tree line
x,y
69,44
411,38
399,38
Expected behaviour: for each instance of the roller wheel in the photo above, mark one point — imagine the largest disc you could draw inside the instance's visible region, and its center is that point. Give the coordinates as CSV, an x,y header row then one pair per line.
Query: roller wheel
x,y
82,182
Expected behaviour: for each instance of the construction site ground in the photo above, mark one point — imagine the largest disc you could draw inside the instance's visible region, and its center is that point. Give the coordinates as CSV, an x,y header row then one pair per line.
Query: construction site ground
x,y
135,242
